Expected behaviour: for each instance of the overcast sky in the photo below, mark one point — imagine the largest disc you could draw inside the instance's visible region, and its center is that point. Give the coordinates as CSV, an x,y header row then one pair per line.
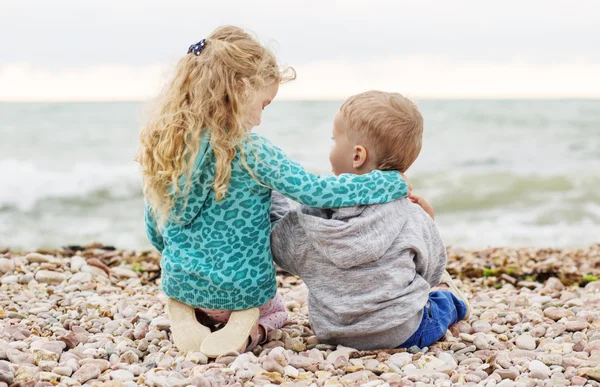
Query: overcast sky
x,y
108,49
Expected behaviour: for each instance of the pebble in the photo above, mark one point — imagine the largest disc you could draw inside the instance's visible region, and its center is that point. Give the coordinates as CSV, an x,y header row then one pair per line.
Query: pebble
x,y
481,343
17,357
593,286
25,373
481,326
550,359
510,373
578,381
303,362
86,372
574,326
6,265
196,358
122,375
40,355
77,263
7,372
38,258
49,277
122,272
557,313
161,323
448,359
539,370
9,280
101,364
49,377
290,371
400,359
47,365
80,278
555,330
271,365
129,357
296,344
65,371
525,341
340,352
538,331
559,348
53,346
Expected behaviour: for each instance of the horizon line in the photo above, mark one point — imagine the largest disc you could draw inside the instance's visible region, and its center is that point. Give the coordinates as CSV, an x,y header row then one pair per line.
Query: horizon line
x,y
424,98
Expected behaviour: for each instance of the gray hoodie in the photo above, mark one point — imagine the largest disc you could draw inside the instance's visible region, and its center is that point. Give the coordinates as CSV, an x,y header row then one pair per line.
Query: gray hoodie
x,y
368,269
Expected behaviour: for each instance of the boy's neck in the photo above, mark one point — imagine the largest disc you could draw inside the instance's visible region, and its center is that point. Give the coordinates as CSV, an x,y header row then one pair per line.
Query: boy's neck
x,y
363,171
368,167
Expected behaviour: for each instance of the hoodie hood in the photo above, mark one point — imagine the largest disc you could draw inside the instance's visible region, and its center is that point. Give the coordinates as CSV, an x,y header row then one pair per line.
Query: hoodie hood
x,y
201,185
350,236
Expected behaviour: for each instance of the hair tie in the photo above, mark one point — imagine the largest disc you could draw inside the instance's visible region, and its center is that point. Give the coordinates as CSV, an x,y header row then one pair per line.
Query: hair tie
x,y
197,48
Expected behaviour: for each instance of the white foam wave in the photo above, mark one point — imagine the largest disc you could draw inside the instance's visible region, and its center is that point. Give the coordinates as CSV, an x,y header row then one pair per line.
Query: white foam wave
x,y
24,184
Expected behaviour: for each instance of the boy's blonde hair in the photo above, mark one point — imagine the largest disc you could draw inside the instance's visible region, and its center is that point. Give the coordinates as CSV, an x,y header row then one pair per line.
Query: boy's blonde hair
x,y
389,123
209,92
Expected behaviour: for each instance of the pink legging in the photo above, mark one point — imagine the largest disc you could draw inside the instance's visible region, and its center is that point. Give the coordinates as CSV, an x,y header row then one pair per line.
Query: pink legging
x,y
272,314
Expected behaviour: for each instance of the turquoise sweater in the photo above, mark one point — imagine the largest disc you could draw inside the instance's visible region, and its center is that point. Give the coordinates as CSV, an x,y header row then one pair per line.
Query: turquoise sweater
x,y
217,255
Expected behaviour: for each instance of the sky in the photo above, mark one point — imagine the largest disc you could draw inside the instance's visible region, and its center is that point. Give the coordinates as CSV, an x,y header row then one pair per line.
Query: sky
x,y
124,50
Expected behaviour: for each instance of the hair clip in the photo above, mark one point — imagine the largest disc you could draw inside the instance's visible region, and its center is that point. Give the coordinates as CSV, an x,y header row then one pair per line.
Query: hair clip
x,y
197,48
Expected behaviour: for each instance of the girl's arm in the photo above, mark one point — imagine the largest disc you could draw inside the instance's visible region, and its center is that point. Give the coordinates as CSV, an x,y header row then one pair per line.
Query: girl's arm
x,y
274,169
152,229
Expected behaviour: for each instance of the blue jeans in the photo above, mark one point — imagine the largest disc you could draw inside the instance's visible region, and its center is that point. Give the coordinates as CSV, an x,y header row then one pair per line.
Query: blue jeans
x,y
444,310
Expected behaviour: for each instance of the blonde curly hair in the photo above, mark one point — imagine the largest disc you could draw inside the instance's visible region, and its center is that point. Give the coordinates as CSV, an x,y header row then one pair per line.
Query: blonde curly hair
x,y
209,92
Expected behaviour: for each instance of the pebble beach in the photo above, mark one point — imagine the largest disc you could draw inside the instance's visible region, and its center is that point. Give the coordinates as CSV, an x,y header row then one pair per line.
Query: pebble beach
x,y
94,315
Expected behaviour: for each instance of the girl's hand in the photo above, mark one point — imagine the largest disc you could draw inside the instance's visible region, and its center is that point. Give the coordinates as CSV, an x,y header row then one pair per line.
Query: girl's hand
x,y
424,205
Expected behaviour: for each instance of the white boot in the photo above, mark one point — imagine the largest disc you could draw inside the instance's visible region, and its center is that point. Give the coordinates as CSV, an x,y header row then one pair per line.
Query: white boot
x,y
188,334
239,334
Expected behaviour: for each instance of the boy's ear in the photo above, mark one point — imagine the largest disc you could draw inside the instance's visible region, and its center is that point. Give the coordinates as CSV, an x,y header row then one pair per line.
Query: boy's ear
x,y
360,156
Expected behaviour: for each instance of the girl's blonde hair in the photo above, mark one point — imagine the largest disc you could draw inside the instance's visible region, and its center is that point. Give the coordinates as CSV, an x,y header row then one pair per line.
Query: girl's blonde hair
x,y
209,92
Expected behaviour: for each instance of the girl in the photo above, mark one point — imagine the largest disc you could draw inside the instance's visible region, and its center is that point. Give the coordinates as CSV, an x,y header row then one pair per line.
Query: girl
x,y
207,185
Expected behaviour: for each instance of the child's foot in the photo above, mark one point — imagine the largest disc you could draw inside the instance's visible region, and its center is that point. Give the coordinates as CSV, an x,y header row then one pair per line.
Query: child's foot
x,y
188,334
451,287
241,333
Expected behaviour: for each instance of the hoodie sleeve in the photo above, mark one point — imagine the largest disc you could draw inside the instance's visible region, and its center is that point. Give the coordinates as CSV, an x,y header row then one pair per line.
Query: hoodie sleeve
x,y
286,252
274,169
431,262
280,206
152,229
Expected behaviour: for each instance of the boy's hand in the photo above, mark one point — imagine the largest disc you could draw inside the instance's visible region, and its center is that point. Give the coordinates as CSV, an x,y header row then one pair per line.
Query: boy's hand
x,y
424,205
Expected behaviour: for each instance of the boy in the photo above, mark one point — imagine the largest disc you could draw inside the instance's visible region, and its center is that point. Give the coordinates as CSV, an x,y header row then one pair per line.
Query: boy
x,y
370,270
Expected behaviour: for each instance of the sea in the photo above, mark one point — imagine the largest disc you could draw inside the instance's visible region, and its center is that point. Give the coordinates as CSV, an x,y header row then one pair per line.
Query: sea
x,y
522,173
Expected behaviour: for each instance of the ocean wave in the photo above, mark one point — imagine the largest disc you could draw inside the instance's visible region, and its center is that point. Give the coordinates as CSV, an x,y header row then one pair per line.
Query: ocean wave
x,y
25,184
480,190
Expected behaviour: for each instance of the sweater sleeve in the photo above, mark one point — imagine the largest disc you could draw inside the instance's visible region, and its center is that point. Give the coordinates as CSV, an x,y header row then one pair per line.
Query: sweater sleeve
x,y
152,229
274,169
